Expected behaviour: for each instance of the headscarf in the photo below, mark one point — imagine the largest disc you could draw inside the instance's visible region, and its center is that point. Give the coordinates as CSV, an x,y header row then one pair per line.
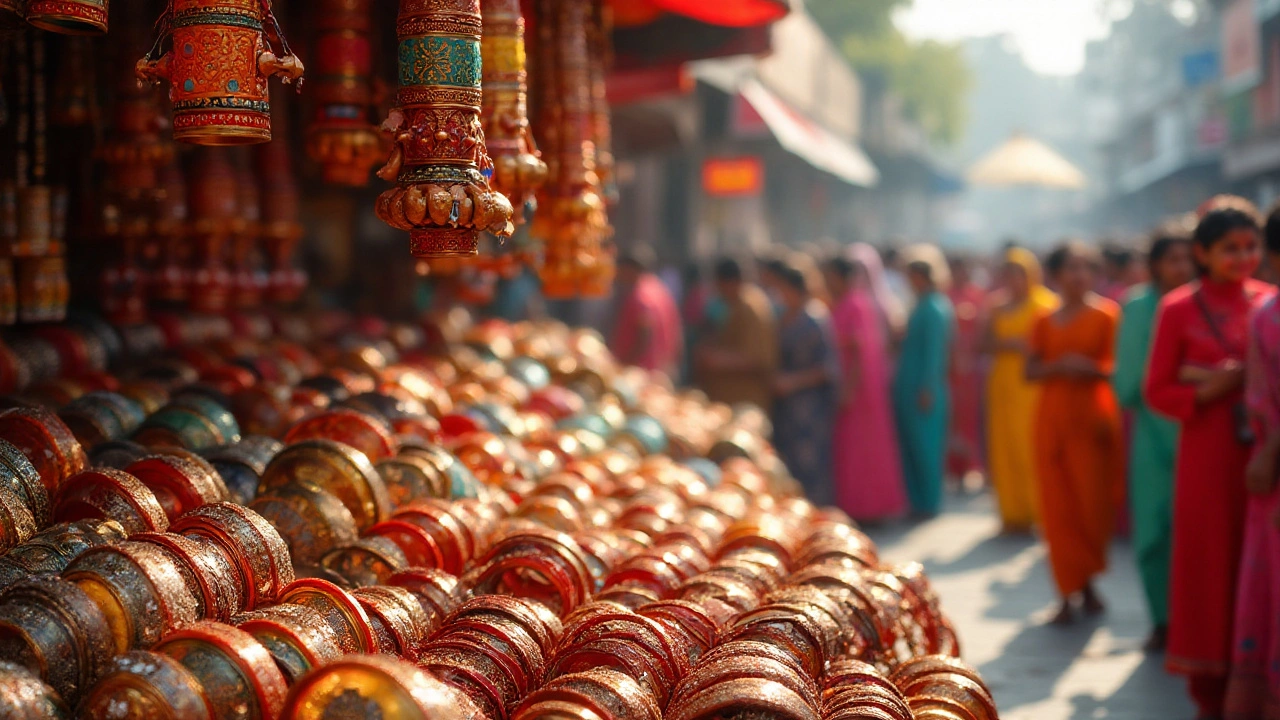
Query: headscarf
x,y
1025,259
888,303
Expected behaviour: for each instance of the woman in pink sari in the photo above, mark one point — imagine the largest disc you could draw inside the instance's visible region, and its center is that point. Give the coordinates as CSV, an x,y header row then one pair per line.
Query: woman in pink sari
x,y
867,470
1253,688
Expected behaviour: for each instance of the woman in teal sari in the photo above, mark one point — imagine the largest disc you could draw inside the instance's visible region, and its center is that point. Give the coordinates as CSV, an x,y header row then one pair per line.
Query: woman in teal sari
x,y
1153,440
921,392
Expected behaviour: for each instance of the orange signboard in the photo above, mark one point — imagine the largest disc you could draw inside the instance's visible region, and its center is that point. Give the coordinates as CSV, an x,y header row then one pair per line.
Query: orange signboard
x,y
733,177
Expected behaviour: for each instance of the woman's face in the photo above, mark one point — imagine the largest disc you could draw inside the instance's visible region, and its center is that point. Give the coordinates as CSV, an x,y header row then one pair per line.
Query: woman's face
x,y
919,281
835,283
1176,268
1015,278
1077,277
1234,257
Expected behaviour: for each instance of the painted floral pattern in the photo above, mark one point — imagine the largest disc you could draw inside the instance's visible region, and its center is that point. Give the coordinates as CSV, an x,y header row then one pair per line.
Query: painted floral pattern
x,y
439,61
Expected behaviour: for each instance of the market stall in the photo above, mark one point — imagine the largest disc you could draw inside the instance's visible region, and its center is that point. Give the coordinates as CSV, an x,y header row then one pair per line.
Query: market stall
x,y
226,492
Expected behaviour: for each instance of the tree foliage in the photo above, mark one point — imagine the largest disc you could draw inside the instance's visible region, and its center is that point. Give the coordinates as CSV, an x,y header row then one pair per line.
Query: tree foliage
x,y
931,77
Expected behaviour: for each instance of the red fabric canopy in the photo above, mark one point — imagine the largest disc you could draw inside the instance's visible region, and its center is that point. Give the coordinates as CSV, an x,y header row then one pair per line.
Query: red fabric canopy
x,y
729,13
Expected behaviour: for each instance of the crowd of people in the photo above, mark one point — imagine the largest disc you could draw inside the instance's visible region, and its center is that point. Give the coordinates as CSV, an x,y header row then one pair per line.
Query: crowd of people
x,y
1100,394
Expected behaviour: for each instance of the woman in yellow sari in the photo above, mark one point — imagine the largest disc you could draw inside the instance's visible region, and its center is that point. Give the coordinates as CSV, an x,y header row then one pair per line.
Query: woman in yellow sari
x,y
1011,399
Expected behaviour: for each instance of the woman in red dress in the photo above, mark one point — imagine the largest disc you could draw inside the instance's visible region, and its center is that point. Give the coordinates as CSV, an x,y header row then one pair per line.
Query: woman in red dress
x,y
967,376
1195,376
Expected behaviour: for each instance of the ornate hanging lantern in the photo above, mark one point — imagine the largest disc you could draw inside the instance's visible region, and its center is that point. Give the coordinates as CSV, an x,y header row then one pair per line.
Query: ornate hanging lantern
x,y
218,67
574,221
342,139
69,17
438,159
518,169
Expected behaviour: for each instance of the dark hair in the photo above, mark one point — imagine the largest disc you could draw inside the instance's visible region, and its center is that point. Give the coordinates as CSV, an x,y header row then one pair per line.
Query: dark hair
x,y
1163,240
638,257
1223,219
728,270
775,266
1272,231
841,266
1117,255
1063,254
794,278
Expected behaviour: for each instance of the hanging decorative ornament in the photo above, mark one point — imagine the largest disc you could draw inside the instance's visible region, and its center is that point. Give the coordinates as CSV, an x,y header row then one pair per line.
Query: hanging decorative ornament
x,y
518,169
574,221
438,160
342,139
69,17
218,67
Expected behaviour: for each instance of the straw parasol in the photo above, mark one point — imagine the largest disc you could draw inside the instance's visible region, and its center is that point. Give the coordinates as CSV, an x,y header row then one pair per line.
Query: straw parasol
x,y
1026,161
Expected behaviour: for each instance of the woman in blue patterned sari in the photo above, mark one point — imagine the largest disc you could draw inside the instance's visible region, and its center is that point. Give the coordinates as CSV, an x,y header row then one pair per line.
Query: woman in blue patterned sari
x,y
805,388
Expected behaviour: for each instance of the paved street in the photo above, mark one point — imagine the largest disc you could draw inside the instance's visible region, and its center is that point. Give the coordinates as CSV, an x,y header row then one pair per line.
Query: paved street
x,y
998,592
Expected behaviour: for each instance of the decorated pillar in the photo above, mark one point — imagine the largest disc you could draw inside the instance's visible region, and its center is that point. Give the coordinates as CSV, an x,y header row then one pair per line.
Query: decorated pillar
x,y
217,68
342,139
438,160
518,169
573,220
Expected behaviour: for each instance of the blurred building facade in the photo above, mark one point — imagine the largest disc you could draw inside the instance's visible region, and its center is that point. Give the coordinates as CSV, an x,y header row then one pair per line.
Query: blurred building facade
x,y
1250,38
1157,119
749,137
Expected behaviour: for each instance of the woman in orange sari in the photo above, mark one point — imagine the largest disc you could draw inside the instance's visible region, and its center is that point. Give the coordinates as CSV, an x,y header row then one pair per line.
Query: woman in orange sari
x,y
1079,450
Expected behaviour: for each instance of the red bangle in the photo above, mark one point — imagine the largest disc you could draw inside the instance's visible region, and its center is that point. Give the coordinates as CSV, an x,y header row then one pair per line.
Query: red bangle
x,y
139,588
179,484
397,618
310,520
342,612
358,430
250,543
337,468
147,684
213,581
108,494
437,592
46,441
52,626
226,659
381,684
298,638
368,561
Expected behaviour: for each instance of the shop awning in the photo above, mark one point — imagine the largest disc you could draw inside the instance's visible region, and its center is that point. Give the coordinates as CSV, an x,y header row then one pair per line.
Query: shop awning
x,y
810,141
728,13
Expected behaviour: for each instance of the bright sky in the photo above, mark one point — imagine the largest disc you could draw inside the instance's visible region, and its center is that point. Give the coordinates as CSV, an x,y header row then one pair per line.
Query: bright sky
x,y
1050,33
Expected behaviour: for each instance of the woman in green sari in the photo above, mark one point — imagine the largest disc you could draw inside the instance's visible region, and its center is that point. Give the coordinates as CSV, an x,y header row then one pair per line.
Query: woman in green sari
x,y
1153,440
